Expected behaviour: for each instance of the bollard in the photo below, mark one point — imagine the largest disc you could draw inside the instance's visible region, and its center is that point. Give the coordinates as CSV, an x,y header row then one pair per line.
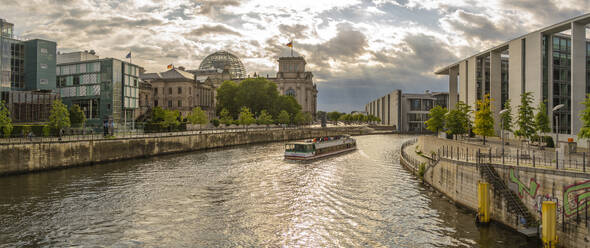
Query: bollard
x,y
483,203
549,223
490,155
556,160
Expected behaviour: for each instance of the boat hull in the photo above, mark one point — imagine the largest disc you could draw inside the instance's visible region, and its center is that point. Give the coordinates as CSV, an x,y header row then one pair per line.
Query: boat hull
x,y
306,158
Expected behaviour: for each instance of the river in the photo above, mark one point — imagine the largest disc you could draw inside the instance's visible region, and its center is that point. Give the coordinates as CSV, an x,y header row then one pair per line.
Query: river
x,y
245,196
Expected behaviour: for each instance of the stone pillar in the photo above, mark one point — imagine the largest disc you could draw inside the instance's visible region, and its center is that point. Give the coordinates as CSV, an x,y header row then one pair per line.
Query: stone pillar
x,y
496,87
515,74
472,81
452,87
578,70
463,84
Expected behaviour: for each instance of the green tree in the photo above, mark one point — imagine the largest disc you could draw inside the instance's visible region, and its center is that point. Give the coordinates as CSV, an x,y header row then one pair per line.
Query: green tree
x,y
334,116
77,116
198,116
264,118
246,117
506,117
59,116
437,119
287,103
307,118
542,120
585,116
484,121
283,117
5,120
457,121
171,119
158,114
225,118
226,99
258,94
299,119
525,120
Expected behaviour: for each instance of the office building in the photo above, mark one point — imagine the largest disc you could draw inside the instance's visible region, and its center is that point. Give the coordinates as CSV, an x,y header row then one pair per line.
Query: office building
x,y
27,75
106,89
552,63
406,112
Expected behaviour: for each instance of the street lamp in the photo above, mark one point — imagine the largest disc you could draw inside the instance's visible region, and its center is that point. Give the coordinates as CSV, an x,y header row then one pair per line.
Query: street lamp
x,y
502,131
555,117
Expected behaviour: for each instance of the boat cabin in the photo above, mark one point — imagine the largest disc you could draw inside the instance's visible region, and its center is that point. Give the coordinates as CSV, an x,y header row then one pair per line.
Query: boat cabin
x,y
299,147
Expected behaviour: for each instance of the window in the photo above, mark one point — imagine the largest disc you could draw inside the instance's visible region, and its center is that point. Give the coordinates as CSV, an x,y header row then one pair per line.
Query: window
x,y
155,91
135,82
415,104
43,81
109,106
290,92
179,103
156,103
169,91
179,90
189,91
76,80
170,104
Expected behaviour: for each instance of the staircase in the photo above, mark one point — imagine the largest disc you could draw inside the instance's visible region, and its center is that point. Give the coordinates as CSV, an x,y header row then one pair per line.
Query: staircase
x,y
513,202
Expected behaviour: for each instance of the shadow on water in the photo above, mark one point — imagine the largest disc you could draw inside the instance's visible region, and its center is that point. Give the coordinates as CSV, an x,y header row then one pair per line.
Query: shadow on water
x,y
241,196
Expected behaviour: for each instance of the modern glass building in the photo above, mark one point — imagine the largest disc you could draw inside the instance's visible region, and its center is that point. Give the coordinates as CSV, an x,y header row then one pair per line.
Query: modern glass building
x,y
27,75
106,90
552,63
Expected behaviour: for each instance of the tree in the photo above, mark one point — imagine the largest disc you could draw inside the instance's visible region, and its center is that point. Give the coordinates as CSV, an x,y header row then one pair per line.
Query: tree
x,y
264,118
334,116
484,121
158,114
5,120
299,119
457,121
226,98
585,116
198,116
77,116
246,117
59,117
506,117
437,118
307,118
283,117
525,119
225,118
171,119
287,103
542,120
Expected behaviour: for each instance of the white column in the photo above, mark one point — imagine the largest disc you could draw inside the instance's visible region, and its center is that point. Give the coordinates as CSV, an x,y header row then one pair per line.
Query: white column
x,y
515,74
496,87
452,87
578,70
463,84
472,81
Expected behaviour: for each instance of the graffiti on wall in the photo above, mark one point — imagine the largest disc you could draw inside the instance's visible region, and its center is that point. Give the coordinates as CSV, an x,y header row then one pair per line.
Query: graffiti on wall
x,y
576,197
523,189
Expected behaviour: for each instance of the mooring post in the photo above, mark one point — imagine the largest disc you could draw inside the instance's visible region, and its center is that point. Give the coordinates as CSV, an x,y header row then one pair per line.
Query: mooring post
x,y
490,155
557,160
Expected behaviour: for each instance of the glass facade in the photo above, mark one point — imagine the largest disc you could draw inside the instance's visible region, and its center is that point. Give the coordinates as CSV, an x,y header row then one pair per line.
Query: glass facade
x,y
504,83
562,78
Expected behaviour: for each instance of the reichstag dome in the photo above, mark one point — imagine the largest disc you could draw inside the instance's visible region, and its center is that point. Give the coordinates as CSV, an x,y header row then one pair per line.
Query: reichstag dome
x,y
221,59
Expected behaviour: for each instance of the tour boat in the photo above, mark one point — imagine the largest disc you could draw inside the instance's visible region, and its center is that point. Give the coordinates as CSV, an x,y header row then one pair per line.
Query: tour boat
x,y
319,147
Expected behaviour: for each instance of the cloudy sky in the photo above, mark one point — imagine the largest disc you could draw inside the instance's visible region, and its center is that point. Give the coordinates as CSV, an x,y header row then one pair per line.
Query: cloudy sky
x,y
357,49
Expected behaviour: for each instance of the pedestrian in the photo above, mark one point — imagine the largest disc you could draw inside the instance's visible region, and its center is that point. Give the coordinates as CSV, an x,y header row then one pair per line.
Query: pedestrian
x,y
31,136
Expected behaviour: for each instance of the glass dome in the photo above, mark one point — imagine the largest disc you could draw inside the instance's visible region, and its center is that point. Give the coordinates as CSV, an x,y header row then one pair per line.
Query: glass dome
x,y
221,59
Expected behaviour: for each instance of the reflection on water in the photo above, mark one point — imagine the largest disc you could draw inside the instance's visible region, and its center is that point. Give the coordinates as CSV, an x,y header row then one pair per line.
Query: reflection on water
x,y
244,196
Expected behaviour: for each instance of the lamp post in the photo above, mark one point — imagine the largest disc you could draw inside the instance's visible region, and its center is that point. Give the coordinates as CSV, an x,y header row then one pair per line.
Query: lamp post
x,y
555,117
502,131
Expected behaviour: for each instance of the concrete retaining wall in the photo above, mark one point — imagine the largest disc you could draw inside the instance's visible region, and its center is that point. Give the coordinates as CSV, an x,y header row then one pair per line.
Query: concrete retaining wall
x,y
21,158
458,180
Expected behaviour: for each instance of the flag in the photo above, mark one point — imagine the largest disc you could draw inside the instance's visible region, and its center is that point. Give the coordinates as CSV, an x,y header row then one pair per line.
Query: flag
x,y
290,44
128,55
170,66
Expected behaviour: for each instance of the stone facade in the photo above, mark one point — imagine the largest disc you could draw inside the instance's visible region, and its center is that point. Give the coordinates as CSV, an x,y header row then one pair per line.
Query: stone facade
x,y
176,89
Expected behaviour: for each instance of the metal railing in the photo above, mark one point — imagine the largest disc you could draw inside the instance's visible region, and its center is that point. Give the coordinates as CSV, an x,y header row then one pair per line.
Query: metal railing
x,y
138,133
574,162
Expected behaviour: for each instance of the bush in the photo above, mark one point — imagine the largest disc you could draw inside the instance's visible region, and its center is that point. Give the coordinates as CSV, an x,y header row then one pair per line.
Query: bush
x,y
24,130
548,140
215,122
421,169
158,127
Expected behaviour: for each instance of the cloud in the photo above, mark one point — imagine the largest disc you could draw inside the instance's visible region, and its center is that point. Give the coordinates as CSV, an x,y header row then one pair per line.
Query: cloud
x,y
213,30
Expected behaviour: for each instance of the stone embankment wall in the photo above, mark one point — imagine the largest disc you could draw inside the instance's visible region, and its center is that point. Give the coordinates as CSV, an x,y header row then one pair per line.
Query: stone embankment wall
x,y
21,158
571,190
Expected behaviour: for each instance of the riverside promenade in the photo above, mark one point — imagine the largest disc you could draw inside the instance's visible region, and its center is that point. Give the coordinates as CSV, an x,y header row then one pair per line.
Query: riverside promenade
x,y
518,183
29,156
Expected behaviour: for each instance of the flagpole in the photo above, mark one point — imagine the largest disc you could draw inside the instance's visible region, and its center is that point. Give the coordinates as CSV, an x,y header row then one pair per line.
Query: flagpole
x,y
291,48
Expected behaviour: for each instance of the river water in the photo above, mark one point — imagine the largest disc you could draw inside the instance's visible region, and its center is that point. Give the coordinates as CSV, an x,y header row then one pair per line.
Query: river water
x,y
246,196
